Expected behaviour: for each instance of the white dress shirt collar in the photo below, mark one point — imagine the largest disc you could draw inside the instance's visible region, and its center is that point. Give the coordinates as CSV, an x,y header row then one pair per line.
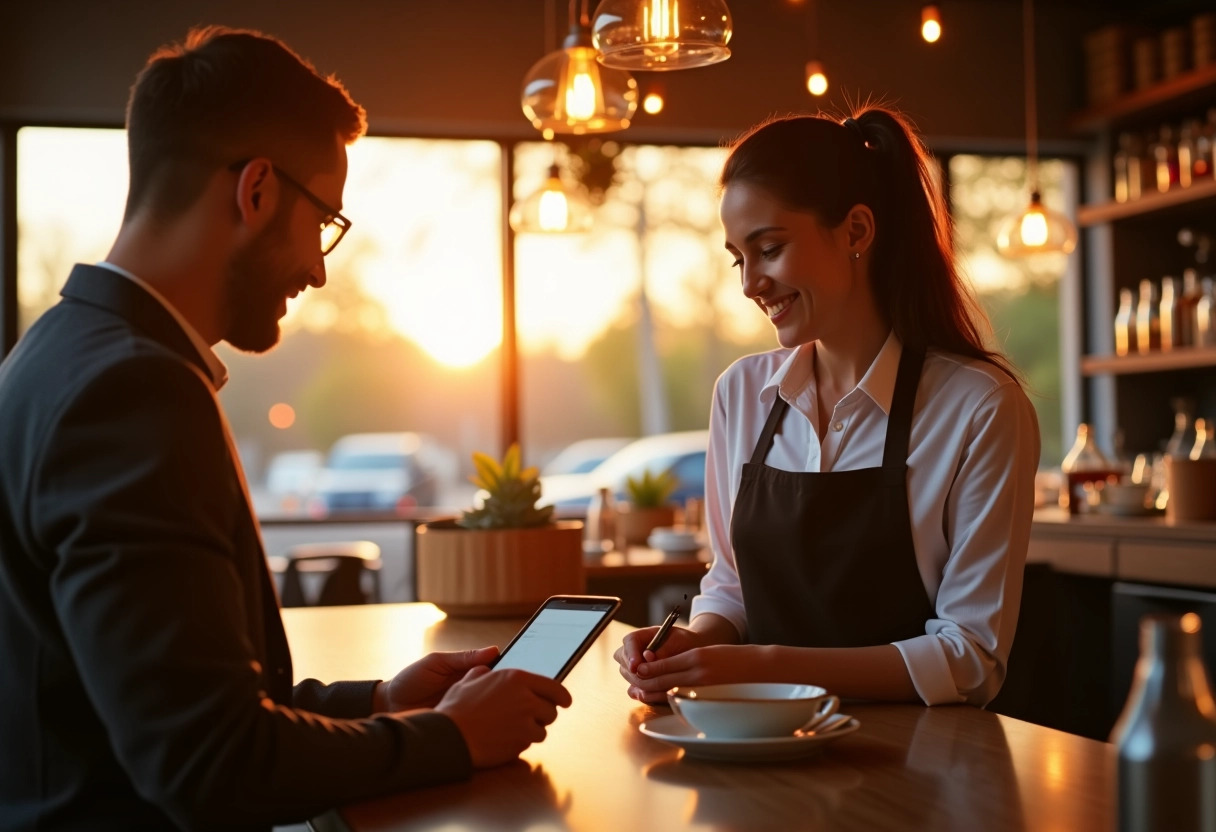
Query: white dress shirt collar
x,y
215,367
797,373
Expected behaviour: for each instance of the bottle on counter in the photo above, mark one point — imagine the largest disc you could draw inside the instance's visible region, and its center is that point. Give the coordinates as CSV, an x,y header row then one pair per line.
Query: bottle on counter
x,y
1084,465
1148,319
1168,310
1166,735
1125,323
1205,440
599,534
1182,440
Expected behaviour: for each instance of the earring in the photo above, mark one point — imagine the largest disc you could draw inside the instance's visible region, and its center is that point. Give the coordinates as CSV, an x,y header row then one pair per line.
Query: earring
x,y
857,255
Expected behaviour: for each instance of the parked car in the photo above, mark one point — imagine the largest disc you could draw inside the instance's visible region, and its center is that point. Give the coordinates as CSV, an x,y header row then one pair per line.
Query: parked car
x,y
377,472
683,453
291,480
582,455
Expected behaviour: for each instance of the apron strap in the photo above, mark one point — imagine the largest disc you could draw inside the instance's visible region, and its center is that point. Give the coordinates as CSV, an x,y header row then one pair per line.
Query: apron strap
x,y
765,442
899,424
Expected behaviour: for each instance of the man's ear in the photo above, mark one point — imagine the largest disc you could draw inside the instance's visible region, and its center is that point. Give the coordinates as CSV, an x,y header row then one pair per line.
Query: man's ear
x,y
256,192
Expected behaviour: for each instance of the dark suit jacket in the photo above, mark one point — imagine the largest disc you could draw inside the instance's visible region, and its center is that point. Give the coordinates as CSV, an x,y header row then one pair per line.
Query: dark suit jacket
x,y
145,680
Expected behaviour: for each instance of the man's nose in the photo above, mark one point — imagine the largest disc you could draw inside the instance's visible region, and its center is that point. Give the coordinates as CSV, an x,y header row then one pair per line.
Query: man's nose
x,y
316,277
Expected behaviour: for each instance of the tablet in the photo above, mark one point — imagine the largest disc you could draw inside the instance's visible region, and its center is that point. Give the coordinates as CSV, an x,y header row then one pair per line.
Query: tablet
x,y
558,634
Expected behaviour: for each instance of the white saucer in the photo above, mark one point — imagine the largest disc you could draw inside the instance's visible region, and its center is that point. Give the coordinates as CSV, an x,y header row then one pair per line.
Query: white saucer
x,y
672,729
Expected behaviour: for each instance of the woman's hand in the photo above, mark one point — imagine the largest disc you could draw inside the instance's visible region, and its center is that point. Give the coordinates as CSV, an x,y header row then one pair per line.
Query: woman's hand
x,y
712,664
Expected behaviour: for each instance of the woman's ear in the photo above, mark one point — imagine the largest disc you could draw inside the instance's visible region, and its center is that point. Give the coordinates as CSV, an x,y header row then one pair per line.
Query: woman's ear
x,y
859,228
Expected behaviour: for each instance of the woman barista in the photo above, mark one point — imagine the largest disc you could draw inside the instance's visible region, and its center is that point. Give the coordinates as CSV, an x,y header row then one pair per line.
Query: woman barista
x,y
870,484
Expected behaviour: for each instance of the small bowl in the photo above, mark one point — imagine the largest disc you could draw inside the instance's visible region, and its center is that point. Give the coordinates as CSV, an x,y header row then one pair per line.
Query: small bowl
x,y
759,709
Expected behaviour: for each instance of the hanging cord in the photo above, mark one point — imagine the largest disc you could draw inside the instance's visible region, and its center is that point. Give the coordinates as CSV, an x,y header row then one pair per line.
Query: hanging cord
x,y
550,26
1032,127
584,18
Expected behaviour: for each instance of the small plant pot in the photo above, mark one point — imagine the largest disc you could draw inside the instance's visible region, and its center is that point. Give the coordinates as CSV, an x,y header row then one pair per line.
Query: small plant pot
x,y
486,573
634,525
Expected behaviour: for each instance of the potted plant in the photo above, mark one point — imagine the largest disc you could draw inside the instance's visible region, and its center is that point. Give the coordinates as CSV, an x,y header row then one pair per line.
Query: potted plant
x,y
645,507
505,556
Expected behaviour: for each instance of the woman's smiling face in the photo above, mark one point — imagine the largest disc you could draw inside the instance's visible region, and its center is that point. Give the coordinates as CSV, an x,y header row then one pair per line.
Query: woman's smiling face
x,y
798,271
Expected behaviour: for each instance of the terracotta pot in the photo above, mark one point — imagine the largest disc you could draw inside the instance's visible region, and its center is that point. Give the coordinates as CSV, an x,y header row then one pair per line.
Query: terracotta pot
x,y
498,572
634,525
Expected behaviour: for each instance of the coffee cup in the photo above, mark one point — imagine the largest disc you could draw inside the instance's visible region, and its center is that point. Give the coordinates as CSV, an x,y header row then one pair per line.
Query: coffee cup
x,y
752,710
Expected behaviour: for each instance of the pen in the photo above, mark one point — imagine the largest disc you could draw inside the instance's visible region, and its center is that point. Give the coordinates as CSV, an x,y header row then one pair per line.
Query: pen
x,y
665,629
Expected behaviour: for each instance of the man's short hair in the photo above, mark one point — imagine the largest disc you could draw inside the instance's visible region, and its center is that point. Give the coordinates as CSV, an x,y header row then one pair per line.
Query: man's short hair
x,y
222,96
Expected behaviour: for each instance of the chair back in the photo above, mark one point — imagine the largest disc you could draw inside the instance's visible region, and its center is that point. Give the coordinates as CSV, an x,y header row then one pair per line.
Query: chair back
x,y
342,565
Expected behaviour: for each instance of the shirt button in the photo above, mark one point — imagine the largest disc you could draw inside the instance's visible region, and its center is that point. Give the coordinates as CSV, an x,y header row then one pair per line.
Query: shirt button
x,y
838,427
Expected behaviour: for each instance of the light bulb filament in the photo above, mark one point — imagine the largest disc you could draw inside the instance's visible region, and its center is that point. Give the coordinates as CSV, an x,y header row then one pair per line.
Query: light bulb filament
x,y
1034,228
661,20
580,97
553,212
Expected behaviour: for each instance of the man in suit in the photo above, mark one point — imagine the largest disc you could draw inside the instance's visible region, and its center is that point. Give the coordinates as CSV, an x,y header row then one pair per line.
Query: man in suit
x,y
145,680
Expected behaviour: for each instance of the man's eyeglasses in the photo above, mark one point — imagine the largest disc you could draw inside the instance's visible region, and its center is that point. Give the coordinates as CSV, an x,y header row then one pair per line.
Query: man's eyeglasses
x,y
333,225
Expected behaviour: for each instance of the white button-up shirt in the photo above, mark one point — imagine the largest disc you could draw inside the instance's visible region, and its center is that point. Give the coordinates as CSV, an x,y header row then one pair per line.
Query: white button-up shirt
x,y
973,453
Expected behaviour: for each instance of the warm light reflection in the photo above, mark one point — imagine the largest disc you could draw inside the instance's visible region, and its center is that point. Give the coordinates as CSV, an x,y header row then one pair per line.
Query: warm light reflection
x,y
653,103
661,21
581,93
1190,623
282,416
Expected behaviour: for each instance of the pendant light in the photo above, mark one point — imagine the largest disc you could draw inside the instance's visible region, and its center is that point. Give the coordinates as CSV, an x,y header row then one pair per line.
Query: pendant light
x,y
930,23
1036,229
555,208
661,34
567,91
816,75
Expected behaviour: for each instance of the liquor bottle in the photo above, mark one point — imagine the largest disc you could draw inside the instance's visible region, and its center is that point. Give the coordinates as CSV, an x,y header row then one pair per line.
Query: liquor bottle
x,y
1125,324
1205,440
1205,314
1125,186
1188,306
1166,735
1168,312
1164,152
1084,464
1183,438
1148,319
1186,152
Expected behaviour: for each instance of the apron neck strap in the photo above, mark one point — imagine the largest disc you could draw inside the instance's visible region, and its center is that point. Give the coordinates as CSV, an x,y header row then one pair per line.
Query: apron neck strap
x,y
899,423
780,405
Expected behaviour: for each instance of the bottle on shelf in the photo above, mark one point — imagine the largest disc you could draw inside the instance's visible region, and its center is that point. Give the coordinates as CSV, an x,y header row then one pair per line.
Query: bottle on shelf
x,y
1083,467
1205,440
1168,313
1126,161
1186,152
1165,158
1202,166
1167,732
1205,314
1188,303
1125,323
1148,319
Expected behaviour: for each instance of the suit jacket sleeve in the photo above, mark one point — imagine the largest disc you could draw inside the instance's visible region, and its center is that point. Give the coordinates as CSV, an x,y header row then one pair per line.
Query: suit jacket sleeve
x,y
136,497
344,700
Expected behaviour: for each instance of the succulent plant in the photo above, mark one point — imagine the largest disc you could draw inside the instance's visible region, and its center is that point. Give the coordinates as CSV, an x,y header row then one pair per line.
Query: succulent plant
x,y
650,490
512,493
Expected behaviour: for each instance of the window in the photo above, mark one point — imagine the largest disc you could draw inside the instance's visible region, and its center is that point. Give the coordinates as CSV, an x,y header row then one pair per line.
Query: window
x,y
1021,297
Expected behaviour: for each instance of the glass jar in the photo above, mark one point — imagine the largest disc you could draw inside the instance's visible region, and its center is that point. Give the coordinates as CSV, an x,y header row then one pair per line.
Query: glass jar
x,y
1083,467
1148,319
599,534
1125,323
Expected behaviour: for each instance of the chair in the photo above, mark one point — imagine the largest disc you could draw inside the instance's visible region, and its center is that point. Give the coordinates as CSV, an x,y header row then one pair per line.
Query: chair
x,y
341,566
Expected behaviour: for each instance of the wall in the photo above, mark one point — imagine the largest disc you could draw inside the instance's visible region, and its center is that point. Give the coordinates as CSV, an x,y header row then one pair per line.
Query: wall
x,y
454,67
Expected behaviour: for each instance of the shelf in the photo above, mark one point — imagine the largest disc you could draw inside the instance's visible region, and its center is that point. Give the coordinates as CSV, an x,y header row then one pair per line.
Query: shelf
x,y
1099,213
1184,358
1192,89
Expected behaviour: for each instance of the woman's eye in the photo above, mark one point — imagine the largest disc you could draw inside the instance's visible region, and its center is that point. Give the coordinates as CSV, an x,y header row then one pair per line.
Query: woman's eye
x,y
771,252
738,262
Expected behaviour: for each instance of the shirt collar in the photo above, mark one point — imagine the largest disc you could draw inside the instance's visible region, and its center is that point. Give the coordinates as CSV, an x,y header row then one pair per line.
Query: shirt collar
x,y
795,372
215,367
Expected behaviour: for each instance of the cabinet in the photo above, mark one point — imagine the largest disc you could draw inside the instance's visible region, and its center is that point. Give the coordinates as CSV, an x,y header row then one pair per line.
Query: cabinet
x,y
1130,241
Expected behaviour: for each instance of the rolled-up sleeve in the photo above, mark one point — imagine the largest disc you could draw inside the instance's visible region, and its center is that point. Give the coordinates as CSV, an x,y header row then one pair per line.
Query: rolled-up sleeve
x,y
988,514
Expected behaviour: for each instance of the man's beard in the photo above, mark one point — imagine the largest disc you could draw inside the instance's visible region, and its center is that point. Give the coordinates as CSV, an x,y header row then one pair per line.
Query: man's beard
x,y
253,295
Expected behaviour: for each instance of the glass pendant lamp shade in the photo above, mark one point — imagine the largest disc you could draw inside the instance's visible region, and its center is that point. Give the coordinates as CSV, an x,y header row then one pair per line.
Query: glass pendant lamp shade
x,y
554,209
661,34
1036,230
567,91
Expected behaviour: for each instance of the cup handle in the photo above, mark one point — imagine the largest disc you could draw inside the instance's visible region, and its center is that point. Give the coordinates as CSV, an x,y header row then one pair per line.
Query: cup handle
x,y
827,707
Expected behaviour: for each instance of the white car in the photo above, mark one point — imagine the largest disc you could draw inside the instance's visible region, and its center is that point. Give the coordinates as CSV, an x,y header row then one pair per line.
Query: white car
x,y
682,453
376,472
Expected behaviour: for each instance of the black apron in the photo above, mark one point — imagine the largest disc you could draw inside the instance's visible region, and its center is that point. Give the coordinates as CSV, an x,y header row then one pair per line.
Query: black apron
x,y
826,559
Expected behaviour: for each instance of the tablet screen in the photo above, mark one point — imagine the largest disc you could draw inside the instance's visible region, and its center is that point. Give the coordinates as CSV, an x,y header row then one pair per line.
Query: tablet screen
x,y
553,637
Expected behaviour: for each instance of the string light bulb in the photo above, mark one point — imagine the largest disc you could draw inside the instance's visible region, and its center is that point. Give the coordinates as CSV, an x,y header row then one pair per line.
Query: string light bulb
x,y
661,34
653,103
930,23
816,78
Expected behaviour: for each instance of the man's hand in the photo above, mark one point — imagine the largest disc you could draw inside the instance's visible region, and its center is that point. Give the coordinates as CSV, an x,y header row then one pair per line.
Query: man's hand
x,y
501,713
423,683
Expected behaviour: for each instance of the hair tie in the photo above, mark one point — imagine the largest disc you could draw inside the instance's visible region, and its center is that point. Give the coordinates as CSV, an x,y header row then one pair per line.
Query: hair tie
x,y
855,128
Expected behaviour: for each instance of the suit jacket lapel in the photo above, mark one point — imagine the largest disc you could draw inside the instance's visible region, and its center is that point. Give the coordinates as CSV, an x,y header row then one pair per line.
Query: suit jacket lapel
x,y
106,289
